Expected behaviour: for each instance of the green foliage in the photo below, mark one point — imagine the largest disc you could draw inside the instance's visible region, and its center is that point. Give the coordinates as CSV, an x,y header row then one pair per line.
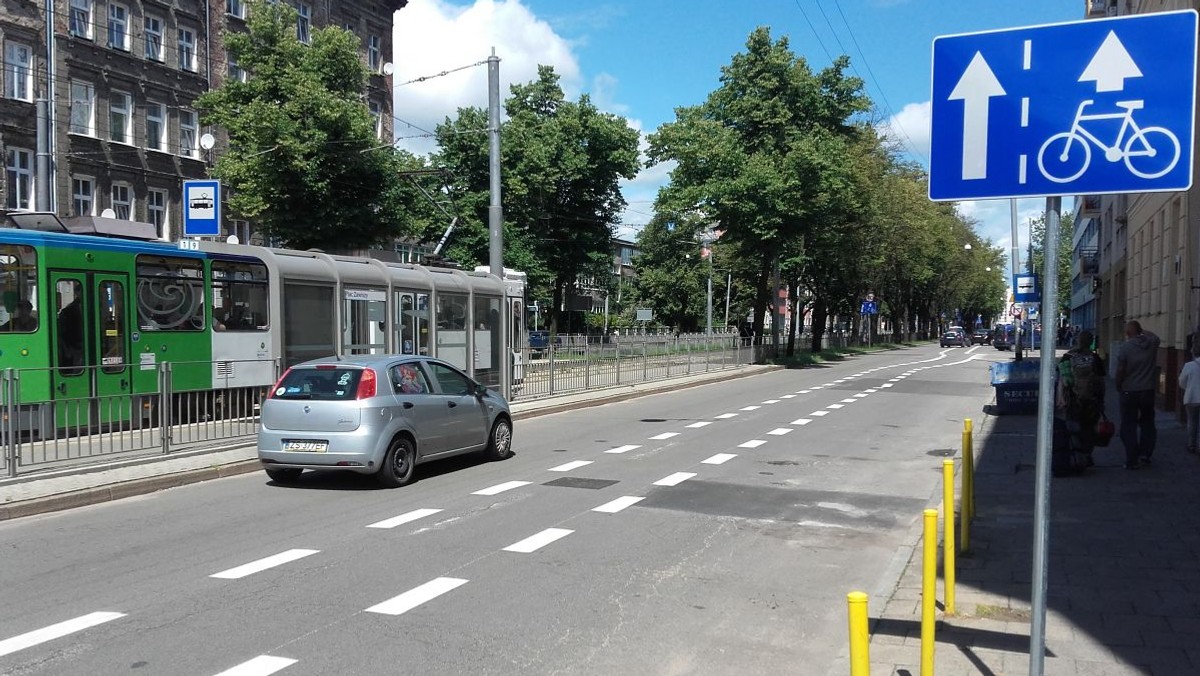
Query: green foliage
x,y
303,160
1066,232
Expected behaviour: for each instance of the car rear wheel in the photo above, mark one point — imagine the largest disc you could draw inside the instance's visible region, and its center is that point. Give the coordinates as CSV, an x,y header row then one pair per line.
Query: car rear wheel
x,y
398,463
500,440
284,475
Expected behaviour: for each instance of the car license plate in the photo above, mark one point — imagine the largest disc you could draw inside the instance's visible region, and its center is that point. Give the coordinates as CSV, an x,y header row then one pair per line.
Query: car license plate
x,y
305,445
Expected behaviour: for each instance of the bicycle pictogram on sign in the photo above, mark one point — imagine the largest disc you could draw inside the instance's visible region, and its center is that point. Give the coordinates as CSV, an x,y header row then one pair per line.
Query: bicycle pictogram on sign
x,y
1148,152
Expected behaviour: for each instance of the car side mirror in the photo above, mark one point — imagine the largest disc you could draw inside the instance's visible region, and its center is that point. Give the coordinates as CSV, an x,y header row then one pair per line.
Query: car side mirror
x,y
481,390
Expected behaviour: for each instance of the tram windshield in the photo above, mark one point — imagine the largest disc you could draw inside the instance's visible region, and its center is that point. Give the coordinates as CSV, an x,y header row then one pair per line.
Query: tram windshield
x,y
239,296
18,289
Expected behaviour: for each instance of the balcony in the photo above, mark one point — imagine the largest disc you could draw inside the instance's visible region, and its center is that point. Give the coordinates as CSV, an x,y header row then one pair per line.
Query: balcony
x,y
1089,261
1098,8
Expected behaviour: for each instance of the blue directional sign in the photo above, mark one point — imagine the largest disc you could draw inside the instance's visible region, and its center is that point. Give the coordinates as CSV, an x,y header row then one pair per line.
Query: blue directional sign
x,y
1089,107
201,208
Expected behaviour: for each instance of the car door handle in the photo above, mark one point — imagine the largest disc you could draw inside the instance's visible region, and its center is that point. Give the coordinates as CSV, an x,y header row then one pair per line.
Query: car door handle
x,y
452,404
407,404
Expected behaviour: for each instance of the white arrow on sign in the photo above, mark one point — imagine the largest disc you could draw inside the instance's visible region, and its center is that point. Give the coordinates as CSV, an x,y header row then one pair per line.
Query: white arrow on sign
x,y
1110,66
977,85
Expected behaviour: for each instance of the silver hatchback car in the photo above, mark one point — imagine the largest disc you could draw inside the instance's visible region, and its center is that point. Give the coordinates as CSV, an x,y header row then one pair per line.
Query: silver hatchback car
x,y
378,414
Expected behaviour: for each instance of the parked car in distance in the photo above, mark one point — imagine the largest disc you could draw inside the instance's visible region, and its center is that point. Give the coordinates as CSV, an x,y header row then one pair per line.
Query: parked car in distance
x,y
954,336
378,414
981,337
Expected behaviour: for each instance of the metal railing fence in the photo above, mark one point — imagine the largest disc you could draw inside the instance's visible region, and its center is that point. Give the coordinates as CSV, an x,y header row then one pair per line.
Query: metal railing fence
x,y
40,433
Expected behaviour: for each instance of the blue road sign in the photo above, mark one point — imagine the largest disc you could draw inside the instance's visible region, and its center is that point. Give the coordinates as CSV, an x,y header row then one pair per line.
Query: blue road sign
x,y
1025,289
1088,107
869,307
201,208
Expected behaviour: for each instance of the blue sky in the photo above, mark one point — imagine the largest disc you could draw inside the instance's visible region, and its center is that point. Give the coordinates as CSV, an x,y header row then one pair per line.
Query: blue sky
x,y
643,58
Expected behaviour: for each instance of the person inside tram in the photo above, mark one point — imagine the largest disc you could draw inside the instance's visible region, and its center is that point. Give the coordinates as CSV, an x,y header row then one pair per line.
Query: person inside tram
x,y
21,320
70,334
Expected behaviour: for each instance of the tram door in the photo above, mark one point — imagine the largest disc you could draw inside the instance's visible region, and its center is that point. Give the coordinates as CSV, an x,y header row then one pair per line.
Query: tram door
x,y
92,379
412,323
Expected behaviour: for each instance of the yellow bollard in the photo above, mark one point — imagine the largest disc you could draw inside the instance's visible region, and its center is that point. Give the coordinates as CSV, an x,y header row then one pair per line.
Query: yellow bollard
x,y
968,510
860,656
928,591
948,532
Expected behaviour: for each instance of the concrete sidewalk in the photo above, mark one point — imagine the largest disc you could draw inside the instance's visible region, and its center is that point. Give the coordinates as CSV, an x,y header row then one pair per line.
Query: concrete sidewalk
x,y
48,491
1124,566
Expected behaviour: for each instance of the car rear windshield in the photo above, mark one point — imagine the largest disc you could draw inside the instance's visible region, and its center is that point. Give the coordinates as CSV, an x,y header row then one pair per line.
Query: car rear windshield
x,y
322,384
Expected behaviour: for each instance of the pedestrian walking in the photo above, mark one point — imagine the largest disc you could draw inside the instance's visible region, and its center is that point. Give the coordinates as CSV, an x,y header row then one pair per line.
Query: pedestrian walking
x,y
1136,380
1081,397
1189,382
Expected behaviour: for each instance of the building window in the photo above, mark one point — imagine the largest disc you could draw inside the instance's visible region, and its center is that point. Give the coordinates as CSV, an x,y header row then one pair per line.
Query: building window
x,y
118,26
188,138
18,71
303,22
376,117
187,50
156,126
120,121
81,18
240,229
374,56
82,202
154,41
235,8
156,211
83,108
232,69
18,172
122,203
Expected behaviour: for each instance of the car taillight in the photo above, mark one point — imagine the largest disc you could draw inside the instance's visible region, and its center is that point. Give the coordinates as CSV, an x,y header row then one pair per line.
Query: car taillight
x,y
279,382
366,385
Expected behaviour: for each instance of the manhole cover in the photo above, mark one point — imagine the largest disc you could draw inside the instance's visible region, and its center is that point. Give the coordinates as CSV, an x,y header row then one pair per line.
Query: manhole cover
x,y
580,482
942,452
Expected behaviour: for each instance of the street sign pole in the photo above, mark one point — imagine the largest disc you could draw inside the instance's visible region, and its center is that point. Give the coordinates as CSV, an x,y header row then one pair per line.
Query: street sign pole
x,y
1045,435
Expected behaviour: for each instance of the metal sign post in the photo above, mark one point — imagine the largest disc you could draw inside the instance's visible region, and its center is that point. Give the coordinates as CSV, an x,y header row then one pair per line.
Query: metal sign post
x,y
1089,107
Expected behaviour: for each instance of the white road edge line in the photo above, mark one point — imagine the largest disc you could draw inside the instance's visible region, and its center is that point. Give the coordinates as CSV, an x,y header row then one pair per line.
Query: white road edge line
x,y
617,505
538,540
263,665
623,449
414,597
29,639
574,464
404,518
719,458
506,486
263,564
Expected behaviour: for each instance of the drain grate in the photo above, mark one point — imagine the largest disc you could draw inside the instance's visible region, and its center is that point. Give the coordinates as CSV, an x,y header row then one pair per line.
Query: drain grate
x,y
580,482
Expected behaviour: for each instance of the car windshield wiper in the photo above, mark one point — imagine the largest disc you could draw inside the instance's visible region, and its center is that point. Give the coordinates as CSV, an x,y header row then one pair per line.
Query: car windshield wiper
x,y
298,395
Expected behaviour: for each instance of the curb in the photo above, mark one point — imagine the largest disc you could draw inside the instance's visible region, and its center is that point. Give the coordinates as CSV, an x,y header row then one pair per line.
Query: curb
x,y
151,484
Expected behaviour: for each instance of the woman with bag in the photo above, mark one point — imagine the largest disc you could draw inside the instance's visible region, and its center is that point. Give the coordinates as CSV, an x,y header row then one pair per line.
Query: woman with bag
x,y
1189,382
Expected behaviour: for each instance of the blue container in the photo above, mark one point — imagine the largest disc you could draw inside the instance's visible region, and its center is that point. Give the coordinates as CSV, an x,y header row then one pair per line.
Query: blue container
x,y
1016,384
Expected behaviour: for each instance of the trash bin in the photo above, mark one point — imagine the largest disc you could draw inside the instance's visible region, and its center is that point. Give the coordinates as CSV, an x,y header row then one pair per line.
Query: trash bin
x,y
1016,384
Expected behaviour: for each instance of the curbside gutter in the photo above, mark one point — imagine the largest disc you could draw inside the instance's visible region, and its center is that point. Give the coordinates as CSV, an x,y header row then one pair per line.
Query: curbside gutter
x,y
117,490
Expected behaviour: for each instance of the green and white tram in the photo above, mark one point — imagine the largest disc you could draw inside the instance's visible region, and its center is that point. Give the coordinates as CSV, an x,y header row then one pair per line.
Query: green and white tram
x,y
90,318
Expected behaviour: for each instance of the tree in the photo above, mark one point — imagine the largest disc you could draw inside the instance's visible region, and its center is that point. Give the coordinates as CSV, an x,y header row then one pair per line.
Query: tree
x,y
303,161
1037,262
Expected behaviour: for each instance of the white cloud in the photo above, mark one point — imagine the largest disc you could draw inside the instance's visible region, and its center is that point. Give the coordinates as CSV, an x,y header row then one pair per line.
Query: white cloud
x,y
434,36
910,130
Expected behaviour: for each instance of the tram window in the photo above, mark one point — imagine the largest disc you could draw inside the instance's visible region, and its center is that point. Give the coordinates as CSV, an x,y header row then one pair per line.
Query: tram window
x,y
68,295
112,327
452,320
239,296
487,340
452,311
307,327
18,289
170,294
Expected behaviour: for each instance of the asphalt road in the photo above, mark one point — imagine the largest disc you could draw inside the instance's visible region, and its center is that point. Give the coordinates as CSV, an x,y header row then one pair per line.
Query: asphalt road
x,y
733,518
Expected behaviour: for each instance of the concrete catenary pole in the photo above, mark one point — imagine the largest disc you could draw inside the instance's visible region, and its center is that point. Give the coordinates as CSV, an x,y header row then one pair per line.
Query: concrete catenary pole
x,y
496,216
44,164
1015,259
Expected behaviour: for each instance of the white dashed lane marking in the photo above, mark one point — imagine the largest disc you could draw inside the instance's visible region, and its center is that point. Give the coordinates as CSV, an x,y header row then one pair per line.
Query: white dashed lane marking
x,y
675,479
664,435
574,464
725,416
788,396
38,636
719,458
871,391
886,385
263,564
537,541
780,431
860,395
506,486
803,391
800,421
416,596
702,423
753,443
414,515
618,504
771,401
849,401
835,406
749,408
623,449
819,413
263,665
